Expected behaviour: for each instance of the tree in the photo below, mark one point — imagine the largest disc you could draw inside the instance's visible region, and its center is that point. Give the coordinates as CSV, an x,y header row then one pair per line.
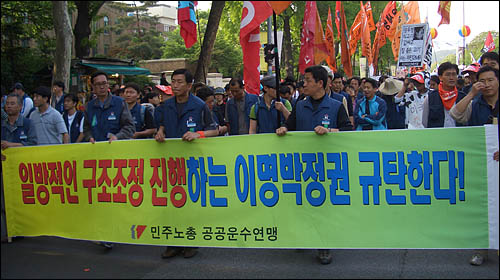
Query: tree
x,y
475,47
209,40
287,58
87,10
225,57
137,35
22,23
64,39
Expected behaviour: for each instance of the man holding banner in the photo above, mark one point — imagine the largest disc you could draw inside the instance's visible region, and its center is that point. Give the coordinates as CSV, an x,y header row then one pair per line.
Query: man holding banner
x,y
185,116
107,117
318,113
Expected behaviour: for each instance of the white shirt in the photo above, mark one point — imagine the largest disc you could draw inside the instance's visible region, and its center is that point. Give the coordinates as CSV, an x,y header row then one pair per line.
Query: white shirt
x,y
27,106
70,121
414,103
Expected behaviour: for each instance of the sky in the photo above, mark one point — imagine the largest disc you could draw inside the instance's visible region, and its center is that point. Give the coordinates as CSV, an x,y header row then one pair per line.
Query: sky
x,y
480,16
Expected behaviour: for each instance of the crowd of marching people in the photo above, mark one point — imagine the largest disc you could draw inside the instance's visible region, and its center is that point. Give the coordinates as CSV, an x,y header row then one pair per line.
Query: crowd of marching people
x,y
323,102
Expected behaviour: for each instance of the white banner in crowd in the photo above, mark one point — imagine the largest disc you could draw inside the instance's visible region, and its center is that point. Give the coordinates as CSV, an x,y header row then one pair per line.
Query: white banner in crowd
x,y
413,45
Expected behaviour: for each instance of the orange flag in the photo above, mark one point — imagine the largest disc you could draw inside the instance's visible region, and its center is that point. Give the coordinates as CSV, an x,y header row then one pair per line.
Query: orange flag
x,y
413,12
409,14
332,63
383,25
392,30
345,57
320,48
444,11
366,45
369,14
279,6
355,34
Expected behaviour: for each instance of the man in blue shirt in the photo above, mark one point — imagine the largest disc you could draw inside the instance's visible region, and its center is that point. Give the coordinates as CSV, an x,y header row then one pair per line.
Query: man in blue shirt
x,y
141,115
57,99
107,117
17,130
264,113
318,113
185,116
370,110
238,108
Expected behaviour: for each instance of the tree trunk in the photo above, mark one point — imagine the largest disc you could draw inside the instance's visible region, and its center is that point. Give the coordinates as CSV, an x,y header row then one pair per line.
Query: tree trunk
x,y
86,11
82,29
209,41
64,42
287,46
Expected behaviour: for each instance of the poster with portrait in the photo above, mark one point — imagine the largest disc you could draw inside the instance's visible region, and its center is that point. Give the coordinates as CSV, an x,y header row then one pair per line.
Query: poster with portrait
x,y
413,45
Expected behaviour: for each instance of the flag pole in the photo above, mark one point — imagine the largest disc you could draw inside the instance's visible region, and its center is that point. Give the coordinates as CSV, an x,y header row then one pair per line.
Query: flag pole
x,y
463,11
277,67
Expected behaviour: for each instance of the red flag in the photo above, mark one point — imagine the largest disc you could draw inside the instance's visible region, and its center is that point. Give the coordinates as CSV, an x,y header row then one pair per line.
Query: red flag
x,y
320,48
332,63
369,14
444,11
306,57
279,6
253,14
345,57
489,44
355,34
337,18
366,45
187,21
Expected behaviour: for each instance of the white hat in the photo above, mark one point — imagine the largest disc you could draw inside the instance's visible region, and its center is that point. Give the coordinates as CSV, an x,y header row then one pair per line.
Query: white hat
x,y
328,70
390,86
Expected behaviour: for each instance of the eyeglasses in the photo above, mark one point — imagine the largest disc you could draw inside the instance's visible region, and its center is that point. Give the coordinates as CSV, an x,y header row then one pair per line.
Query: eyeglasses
x,y
101,84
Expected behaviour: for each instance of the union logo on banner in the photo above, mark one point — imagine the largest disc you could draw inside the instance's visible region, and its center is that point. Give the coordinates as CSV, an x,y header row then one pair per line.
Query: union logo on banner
x,y
137,231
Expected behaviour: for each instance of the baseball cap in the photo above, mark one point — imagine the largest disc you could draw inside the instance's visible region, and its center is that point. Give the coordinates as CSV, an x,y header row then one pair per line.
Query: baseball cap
x,y
471,68
269,81
18,86
419,78
219,90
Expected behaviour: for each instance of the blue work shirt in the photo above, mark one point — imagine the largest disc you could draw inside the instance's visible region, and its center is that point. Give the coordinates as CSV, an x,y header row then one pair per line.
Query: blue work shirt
x,y
21,132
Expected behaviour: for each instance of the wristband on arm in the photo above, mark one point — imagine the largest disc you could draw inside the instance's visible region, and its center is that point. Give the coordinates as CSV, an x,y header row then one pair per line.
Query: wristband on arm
x,y
201,133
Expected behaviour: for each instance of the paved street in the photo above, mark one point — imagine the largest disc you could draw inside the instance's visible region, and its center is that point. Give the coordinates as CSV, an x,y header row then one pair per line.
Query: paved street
x,y
52,257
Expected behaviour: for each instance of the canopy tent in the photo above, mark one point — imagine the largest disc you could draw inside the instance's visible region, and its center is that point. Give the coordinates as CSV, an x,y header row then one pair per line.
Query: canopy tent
x,y
120,69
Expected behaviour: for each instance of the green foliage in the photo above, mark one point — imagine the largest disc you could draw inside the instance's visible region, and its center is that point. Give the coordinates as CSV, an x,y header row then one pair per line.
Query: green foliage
x,y
139,41
225,58
141,80
475,47
23,24
174,47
